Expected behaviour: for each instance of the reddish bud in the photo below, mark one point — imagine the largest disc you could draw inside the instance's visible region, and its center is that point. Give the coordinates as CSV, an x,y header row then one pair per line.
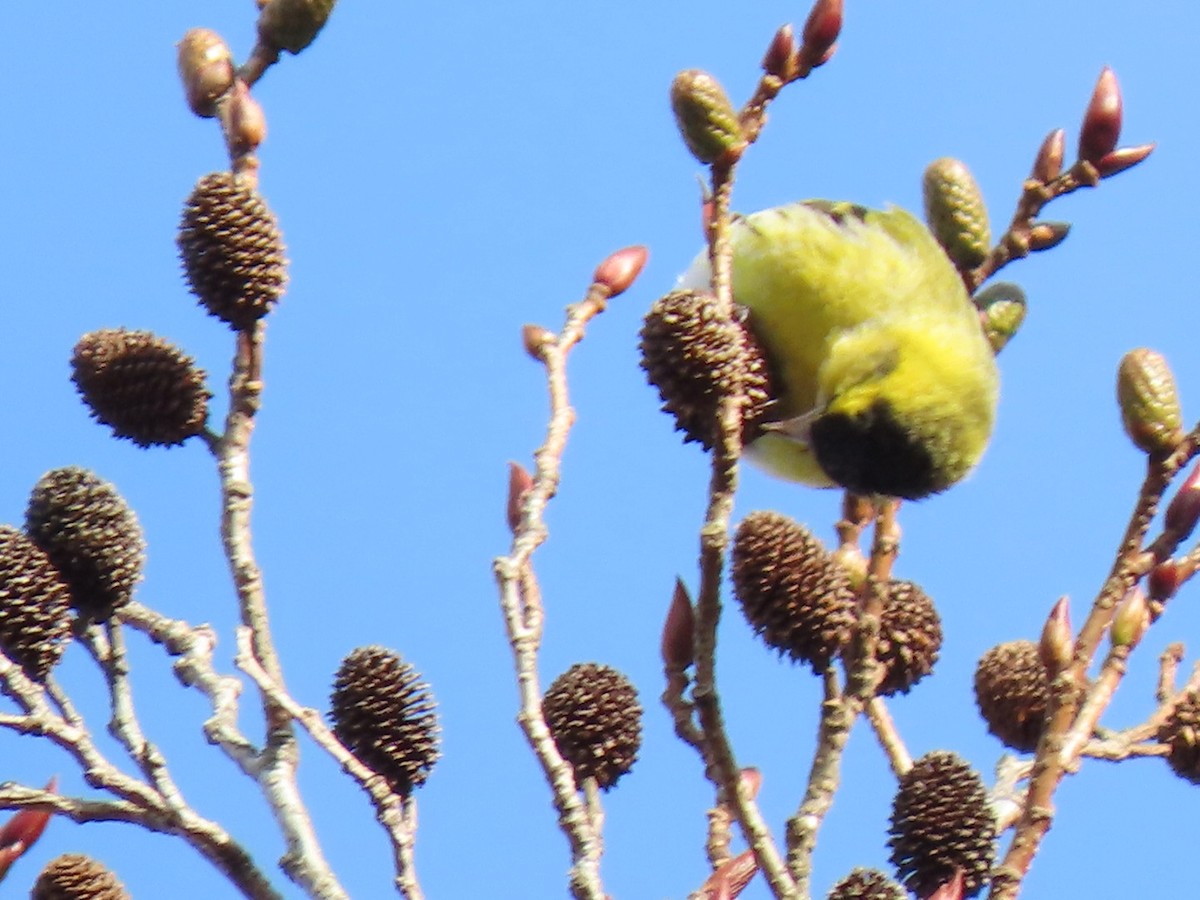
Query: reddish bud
x,y
1044,235
1101,127
1120,160
821,30
621,269
1049,161
536,339
22,831
1184,509
751,780
1163,581
1131,619
1057,646
678,634
731,877
952,889
780,58
519,484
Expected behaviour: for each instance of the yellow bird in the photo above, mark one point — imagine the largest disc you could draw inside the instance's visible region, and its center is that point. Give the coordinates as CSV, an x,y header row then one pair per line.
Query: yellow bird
x,y
886,381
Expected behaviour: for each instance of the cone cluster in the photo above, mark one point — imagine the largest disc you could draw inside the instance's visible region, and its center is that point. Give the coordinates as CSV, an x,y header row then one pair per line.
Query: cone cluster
x,y
74,876
1012,692
867,884
90,535
1181,734
386,716
941,823
140,385
232,251
792,592
594,716
910,637
695,357
35,605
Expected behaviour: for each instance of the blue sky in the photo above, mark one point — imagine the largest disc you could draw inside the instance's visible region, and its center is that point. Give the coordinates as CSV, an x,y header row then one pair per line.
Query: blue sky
x,y
446,173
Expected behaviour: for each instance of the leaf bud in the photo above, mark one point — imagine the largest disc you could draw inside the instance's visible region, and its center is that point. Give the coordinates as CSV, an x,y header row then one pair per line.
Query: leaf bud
x,y
678,630
1163,581
1131,619
1045,235
1184,509
1057,646
780,59
1149,401
750,780
536,339
519,484
820,34
1124,158
1101,127
620,269
706,119
956,213
1049,161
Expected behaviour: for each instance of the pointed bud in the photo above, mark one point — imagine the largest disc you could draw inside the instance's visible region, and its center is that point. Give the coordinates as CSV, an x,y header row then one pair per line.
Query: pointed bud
x,y
1184,509
1049,161
22,831
750,779
1131,619
952,889
536,339
956,213
621,269
780,59
1057,646
206,69
820,33
1149,401
705,118
679,630
730,878
1001,311
1044,235
1163,581
519,483
1120,160
1101,127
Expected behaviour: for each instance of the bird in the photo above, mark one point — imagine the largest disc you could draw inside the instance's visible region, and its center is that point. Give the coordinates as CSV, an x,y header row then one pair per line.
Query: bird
x,y
885,381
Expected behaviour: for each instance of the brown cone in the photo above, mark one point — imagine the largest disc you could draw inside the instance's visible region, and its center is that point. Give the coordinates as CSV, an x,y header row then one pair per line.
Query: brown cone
x,y
91,536
1012,693
1181,733
140,385
596,721
35,605
232,251
910,637
941,823
794,595
867,884
695,358
386,716
74,876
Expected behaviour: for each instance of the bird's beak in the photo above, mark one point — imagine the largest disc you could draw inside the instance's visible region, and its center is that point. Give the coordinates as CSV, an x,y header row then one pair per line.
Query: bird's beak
x,y
798,428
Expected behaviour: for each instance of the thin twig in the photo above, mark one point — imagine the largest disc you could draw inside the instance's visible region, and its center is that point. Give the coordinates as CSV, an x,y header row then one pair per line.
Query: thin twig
x,y
520,599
